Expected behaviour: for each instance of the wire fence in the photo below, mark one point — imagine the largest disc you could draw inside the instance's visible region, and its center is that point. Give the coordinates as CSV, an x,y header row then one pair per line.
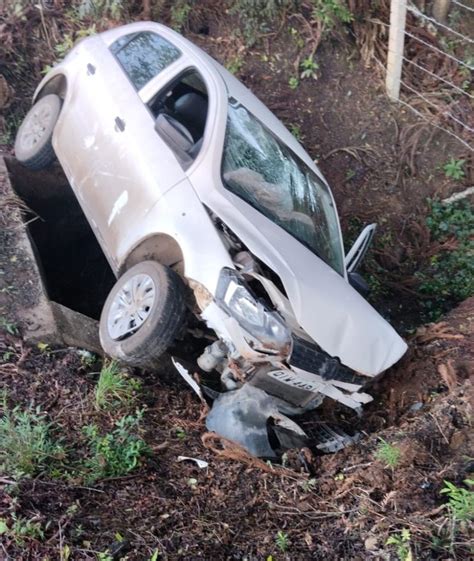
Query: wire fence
x,y
430,64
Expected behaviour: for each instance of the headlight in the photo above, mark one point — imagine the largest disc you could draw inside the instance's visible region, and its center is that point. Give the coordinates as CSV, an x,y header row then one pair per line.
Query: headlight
x,y
252,315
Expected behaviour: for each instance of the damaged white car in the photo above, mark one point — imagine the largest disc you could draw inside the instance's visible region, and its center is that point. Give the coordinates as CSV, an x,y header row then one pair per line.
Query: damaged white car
x,y
216,223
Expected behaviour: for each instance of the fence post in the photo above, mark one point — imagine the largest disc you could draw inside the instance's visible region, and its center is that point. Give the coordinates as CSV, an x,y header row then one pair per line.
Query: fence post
x,y
398,9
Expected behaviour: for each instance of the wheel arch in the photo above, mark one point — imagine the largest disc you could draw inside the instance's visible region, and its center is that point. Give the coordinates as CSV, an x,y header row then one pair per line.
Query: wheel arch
x,y
161,247
55,85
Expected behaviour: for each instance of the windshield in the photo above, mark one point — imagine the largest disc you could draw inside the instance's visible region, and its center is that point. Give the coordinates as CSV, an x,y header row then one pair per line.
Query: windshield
x,y
264,172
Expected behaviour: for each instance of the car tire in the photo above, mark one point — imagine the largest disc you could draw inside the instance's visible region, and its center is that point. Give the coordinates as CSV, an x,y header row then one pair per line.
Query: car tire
x,y
143,314
33,147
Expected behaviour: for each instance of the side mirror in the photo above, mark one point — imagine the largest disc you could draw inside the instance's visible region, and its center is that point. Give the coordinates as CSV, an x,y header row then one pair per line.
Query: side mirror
x,y
358,282
357,252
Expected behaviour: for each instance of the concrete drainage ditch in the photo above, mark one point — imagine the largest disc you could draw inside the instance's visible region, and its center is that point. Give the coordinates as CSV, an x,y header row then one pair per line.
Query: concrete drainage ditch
x,y
54,276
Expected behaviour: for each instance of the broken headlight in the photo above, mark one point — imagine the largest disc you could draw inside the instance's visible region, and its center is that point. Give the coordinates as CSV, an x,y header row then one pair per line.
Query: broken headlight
x,y
253,316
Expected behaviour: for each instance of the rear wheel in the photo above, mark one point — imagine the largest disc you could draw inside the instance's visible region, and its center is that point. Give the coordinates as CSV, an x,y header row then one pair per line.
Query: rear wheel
x,y
143,314
33,146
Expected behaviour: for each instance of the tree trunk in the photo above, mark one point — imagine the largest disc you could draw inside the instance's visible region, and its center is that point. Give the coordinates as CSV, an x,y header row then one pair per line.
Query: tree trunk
x,y
441,10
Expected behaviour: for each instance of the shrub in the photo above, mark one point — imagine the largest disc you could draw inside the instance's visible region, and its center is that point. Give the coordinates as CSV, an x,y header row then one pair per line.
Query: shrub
x,y
449,277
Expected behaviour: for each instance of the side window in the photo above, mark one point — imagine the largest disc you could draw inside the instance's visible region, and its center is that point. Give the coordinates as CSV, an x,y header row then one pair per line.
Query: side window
x,y
180,112
144,55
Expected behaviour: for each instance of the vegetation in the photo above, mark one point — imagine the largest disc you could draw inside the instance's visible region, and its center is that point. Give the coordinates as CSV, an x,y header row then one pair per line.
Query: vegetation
x,y
453,169
388,454
26,445
20,529
401,541
117,452
449,278
282,541
460,500
309,68
331,12
114,386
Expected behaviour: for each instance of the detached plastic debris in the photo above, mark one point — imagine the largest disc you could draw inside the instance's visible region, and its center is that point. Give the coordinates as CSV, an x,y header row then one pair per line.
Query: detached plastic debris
x,y
201,464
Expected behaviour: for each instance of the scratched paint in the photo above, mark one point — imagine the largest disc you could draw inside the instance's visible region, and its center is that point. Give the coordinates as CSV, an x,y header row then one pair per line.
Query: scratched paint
x,y
118,206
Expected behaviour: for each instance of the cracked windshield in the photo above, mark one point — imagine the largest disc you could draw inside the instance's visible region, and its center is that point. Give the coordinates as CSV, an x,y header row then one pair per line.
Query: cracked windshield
x,y
266,174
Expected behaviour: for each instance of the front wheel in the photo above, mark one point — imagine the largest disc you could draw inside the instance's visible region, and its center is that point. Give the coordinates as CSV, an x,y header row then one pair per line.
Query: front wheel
x,y
143,314
33,146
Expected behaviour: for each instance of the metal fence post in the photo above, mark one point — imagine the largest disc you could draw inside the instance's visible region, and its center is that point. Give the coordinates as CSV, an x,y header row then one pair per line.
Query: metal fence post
x,y
398,9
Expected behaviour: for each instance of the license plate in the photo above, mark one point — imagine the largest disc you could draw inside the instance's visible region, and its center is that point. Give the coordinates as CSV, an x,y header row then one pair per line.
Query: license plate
x,y
295,380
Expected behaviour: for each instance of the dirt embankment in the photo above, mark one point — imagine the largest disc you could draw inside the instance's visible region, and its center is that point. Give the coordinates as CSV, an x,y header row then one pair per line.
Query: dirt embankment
x,y
382,165
346,508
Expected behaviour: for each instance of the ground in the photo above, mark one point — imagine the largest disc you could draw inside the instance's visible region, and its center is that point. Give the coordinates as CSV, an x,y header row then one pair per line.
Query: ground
x,y
382,164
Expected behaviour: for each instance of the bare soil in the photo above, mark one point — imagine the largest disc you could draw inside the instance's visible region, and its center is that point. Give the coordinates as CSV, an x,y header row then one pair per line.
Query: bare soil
x,y
382,165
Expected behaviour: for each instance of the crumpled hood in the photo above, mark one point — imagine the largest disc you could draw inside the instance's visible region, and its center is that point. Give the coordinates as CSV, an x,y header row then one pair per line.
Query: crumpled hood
x,y
326,306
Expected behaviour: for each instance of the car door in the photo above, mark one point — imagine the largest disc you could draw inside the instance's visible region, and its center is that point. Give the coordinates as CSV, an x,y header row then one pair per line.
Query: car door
x,y
117,165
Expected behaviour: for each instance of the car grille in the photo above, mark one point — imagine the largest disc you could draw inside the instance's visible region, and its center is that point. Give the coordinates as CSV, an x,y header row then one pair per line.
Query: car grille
x,y
309,357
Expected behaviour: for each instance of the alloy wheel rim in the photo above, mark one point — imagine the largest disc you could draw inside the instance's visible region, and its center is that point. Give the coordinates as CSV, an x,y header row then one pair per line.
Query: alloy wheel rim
x,y
35,126
131,306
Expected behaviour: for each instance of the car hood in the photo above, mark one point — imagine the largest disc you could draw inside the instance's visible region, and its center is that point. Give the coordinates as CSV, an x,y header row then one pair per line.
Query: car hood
x,y
333,314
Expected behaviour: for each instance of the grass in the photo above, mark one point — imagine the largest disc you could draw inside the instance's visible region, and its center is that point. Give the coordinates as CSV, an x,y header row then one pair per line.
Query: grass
x,y
26,444
388,454
114,386
282,541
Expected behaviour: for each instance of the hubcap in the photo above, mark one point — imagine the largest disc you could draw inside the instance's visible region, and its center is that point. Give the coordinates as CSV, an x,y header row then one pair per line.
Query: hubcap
x,y
131,306
35,126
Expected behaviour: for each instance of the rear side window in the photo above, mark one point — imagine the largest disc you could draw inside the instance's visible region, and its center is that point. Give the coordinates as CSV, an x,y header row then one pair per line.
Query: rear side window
x,y
144,55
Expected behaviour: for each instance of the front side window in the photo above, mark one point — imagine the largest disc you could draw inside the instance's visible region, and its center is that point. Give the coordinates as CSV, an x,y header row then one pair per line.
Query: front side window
x,y
264,172
144,55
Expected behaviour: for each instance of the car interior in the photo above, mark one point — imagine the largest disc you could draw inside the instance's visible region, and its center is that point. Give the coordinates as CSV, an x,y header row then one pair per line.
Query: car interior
x,y
180,113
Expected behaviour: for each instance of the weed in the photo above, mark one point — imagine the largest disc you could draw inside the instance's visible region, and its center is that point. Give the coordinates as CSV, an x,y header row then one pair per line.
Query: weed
x,y
21,529
453,169
449,276
44,348
88,359
26,447
300,42
293,82
117,452
295,131
8,326
114,386
460,500
308,485
401,541
308,68
235,64
282,541
331,12
181,433
350,174
180,14
388,453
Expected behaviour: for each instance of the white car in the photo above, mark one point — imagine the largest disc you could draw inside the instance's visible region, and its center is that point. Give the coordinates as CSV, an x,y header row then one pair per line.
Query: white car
x,y
208,210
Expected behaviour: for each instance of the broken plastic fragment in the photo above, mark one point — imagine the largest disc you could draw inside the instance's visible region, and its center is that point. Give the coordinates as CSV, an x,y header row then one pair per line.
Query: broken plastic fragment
x,y
200,463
